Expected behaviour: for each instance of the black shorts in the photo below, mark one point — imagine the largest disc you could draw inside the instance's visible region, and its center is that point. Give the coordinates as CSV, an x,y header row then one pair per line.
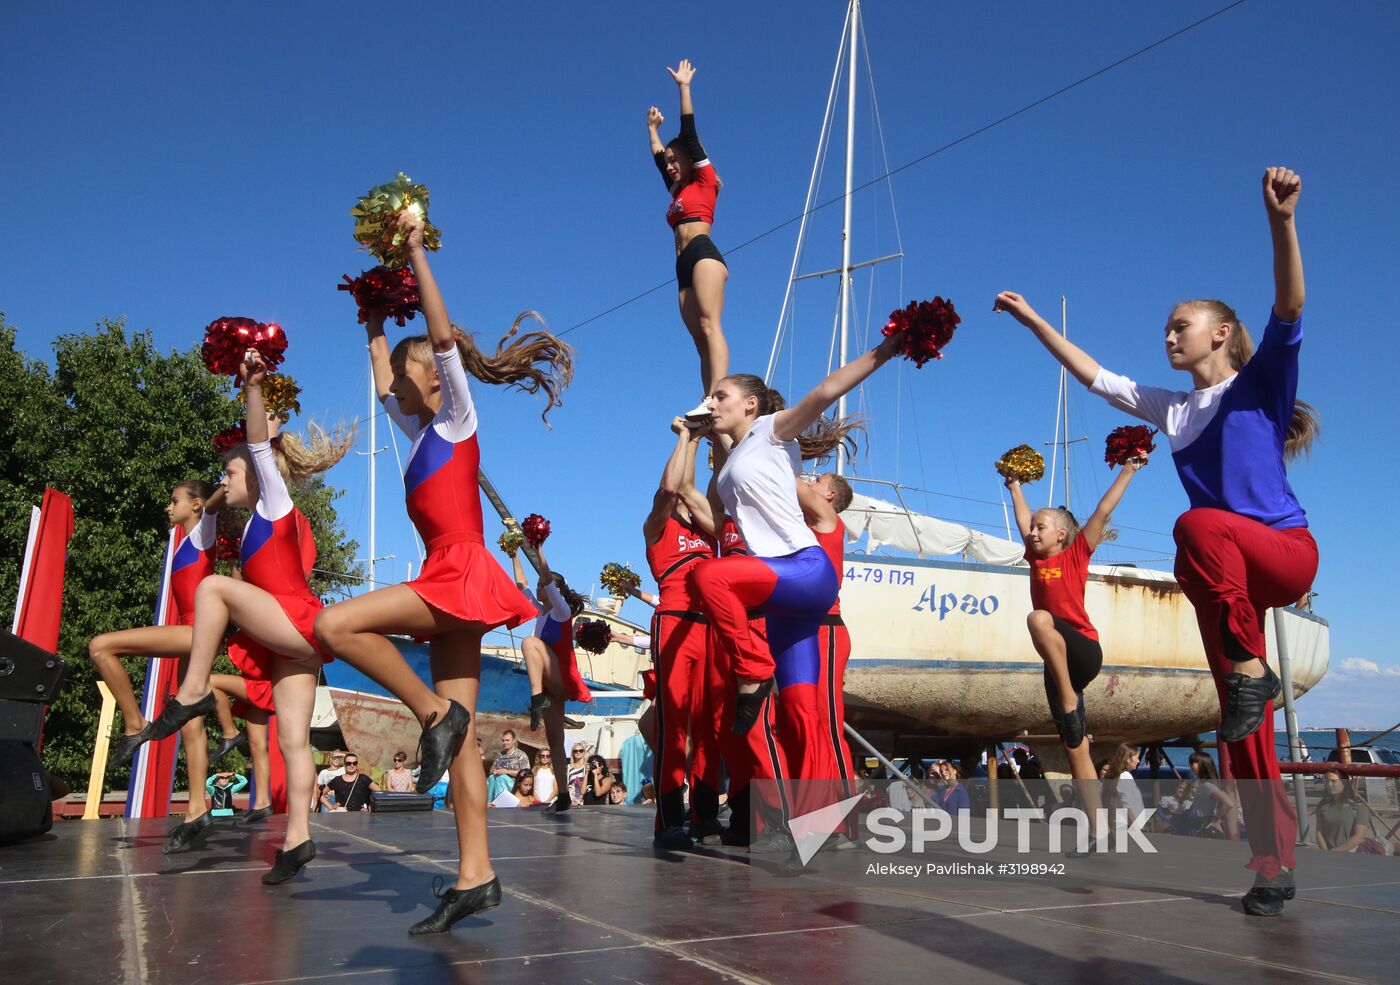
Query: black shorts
x,y
1084,658
699,248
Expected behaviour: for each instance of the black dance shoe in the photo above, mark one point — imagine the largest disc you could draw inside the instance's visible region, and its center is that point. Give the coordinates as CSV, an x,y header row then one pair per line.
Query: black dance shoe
x,y
748,707
701,830
172,717
672,840
228,745
455,904
1071,725
255,816
289,863
183,835
1247,701
439,744
561,804
1264,901
538,703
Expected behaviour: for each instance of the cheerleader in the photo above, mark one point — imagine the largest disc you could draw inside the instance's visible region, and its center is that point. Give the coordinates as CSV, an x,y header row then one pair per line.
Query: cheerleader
x,y
551,665
700,268
272,604
194,508
461,592
1058,551
679,633
1244,544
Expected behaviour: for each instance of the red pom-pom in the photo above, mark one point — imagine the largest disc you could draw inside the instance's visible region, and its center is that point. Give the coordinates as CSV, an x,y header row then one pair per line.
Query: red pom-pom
x,y
226,547
393,292
536,529
928,326
592,635
1128,442
226,339
230,437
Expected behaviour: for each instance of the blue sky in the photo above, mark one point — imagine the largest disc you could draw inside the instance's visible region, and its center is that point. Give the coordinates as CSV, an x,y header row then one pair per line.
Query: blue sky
x,y
172,168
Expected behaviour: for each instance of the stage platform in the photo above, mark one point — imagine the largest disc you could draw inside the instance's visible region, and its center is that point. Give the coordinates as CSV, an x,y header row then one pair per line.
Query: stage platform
x,y
587,901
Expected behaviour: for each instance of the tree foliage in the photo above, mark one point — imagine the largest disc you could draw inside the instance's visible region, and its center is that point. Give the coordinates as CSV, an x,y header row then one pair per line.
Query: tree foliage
x,y
115,424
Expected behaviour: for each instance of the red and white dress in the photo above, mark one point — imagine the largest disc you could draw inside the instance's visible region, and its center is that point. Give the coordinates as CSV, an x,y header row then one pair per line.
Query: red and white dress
x,y
460,577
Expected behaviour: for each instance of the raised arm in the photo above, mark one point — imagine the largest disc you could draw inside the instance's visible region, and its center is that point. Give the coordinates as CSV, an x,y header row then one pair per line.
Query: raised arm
x,y
434,310
1084,367
654,121
1094,526
696,502
379,354
683,74
254,371
1282,188
518,568
789,423
1023,510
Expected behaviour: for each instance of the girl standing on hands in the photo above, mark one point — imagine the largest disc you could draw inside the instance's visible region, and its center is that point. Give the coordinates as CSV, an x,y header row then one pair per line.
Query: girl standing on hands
x,y
272,605
1058,551
461,592
1244,545
700,267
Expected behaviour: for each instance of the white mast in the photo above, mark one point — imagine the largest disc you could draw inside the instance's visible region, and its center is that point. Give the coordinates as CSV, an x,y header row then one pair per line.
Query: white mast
x,y
1064,389
373,453
846,224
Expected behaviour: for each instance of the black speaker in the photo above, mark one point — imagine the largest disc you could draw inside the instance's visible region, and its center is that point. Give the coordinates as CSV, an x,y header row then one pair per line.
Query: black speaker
x,y
25,810
394,803
28,672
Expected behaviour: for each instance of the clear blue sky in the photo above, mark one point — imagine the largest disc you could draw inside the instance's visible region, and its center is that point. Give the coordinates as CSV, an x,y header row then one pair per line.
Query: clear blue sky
x,y
173,166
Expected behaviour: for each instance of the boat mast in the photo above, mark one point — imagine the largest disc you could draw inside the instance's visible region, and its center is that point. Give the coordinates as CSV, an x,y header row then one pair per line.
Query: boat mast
x,y
372,415
1064,390
854,18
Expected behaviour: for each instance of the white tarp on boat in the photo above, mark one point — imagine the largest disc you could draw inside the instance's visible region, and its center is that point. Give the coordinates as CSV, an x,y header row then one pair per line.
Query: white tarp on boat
x,y
891,524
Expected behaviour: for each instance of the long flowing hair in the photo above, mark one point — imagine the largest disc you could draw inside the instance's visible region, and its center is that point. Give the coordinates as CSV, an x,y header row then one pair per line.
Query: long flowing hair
x,y
819,441
536,362
1303,424
298,459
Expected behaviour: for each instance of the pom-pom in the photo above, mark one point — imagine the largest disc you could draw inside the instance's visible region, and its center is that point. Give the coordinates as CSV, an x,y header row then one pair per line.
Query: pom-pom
x,y
1127,443
227,339
536,529
928,326
280,394
230,437
1022,463
619,579
511,541
374,216
394,293
592,635
230,535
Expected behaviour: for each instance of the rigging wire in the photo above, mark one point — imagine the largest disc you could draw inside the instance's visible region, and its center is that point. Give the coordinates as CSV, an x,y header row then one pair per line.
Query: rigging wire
x,y
971,134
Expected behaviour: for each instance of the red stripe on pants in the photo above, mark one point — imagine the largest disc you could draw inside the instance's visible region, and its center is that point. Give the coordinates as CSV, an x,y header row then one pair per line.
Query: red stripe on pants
x,y
1233,567
727,588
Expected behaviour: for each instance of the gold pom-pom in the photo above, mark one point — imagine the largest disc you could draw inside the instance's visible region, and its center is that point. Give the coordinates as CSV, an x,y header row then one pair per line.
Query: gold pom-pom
x,y
280,394
619,579
1022,463
374,220
511,541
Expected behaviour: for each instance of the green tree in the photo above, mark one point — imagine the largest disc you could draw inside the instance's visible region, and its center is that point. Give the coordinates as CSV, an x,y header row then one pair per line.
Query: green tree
x,y
115,424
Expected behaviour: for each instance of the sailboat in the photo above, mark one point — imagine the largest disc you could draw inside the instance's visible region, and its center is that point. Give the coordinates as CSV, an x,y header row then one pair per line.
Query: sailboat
x,y
939,641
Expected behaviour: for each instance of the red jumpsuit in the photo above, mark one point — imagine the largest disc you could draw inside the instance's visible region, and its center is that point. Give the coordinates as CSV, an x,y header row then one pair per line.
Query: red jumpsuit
x,y
679,644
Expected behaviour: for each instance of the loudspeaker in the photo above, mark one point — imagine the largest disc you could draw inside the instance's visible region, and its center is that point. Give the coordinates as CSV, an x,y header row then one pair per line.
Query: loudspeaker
x,y
25,810
27,672
21,721
394,803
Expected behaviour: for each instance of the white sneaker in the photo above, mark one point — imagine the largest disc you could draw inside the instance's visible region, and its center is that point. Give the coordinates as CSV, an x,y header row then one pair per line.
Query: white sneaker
x,y
700,411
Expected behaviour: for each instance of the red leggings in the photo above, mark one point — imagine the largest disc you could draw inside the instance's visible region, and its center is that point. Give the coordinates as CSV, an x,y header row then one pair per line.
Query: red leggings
x,y
679,641
1233,569
835,643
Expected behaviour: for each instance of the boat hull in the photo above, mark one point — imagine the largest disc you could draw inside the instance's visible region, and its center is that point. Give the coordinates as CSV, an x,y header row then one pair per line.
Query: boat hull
x,y
941,647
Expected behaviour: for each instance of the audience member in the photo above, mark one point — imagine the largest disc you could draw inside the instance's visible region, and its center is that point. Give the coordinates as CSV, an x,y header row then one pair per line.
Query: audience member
x,y
617,793
1214,813
323,779
1344,819
598,783
221,790
525,789
578,773
544,776
953,797
400,778
351,790
506,766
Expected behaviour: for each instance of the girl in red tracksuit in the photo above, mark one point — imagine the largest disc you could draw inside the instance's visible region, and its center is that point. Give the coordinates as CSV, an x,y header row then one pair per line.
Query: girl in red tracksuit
x,y
1244,544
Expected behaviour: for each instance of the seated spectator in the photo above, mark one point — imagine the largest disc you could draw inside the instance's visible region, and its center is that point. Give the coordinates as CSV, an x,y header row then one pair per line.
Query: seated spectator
x,y
525,789
617,793
1344,819
1213,813
1174,809
544,776
1122,792
323,779
648,794
599,781
578,773
506,766
400,778
221,787
351,790
953,797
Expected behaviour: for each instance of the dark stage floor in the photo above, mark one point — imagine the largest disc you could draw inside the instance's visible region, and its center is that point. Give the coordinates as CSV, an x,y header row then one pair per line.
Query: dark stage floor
x,y
586,900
